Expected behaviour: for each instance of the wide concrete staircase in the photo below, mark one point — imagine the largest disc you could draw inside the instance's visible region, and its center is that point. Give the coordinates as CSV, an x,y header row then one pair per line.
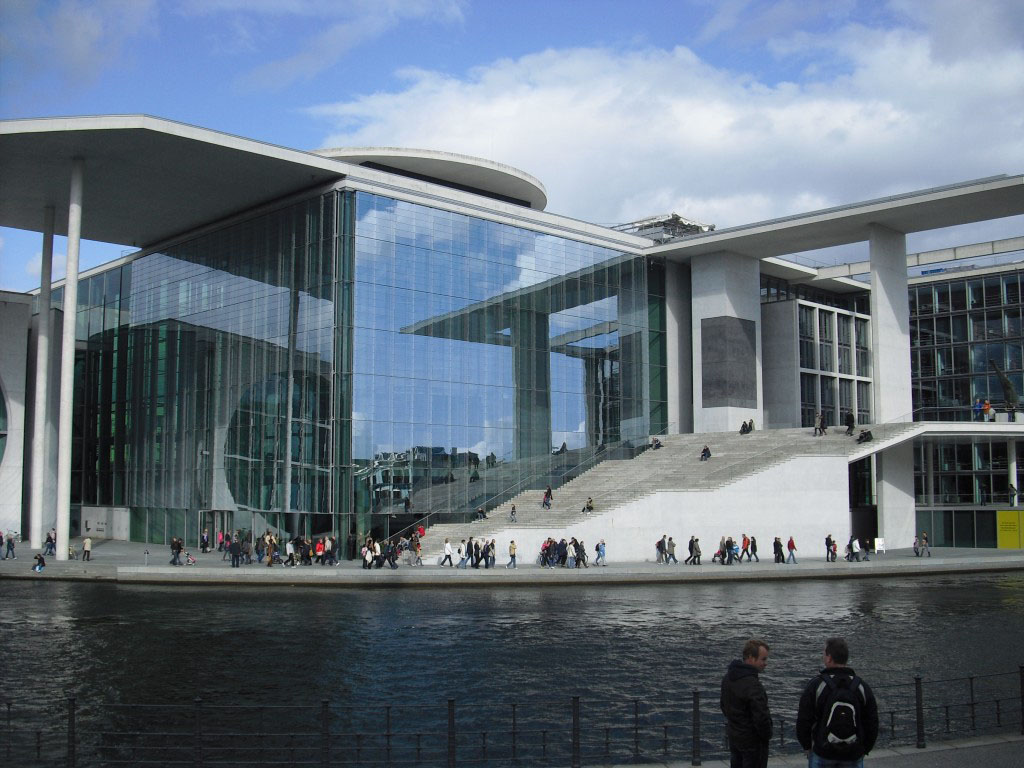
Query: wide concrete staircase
x,y
674,467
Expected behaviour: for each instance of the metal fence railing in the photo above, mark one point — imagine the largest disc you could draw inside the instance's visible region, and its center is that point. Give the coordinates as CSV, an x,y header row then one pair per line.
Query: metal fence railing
x,y
538,731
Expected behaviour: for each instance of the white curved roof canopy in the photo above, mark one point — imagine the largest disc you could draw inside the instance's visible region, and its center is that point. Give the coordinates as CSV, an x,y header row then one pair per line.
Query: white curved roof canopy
x,y
470,174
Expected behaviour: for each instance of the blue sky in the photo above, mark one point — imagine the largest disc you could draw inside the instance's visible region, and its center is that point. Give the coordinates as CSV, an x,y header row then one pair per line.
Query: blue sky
x,y
725,112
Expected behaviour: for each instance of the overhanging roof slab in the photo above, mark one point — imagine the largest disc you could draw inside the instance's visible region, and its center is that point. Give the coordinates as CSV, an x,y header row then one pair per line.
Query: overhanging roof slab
x,y
146,179
966,203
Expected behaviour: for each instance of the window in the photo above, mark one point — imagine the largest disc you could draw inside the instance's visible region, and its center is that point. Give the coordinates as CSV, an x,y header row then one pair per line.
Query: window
x,y
925,304
825,337
808,399
863,402
958,296
806,327
976,294
1011,289
845,336
942,298
863,340
828,399
993,292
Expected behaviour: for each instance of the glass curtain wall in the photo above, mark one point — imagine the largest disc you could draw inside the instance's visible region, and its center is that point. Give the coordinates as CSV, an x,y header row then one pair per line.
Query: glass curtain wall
x,y
204,387
965,336
488,360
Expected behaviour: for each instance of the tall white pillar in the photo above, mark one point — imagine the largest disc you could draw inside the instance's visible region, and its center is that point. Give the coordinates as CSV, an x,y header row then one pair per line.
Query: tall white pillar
x,y
890,325
1011,467
39,417
897,513
678,348
67,361
929,473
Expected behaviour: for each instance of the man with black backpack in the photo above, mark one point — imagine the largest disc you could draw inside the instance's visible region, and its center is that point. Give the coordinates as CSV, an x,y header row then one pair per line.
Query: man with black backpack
x,y
837,723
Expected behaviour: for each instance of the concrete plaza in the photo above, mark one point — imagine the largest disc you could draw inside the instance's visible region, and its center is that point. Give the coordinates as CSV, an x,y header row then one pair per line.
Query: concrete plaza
x,y
127,562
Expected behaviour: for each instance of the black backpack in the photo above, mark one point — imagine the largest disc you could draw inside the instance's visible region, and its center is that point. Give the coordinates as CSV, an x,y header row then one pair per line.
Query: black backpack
x,y
839,734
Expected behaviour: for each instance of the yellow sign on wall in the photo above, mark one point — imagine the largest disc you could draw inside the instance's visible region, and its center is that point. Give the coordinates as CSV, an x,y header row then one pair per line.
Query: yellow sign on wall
x,y
1009,529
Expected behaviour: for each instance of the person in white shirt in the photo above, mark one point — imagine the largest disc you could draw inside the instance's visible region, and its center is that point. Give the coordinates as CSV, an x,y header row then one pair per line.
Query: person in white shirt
x,y
447,553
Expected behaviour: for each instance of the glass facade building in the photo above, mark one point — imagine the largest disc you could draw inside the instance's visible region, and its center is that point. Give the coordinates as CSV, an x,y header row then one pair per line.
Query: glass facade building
x,y
965,335
349,358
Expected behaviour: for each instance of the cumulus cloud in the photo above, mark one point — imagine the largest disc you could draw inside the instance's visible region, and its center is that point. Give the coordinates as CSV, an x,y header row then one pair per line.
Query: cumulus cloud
x,y
616,135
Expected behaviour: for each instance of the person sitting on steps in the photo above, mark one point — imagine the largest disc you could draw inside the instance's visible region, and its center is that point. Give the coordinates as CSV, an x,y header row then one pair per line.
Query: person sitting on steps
x,y
705,453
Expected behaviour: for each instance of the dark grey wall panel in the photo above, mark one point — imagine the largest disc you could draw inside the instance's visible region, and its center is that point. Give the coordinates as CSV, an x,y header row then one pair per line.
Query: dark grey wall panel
x,y
728,347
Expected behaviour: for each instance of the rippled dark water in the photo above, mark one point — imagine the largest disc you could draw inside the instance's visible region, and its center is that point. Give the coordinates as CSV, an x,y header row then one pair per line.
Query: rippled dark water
x,y
414,648
144,643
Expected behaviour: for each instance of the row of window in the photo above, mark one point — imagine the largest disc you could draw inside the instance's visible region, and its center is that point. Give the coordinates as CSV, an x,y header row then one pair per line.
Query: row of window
x,y
995,291
978,326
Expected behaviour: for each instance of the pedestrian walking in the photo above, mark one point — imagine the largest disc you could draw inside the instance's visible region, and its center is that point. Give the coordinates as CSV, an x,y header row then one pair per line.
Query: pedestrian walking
x,y
512,554
86,548
671,552
791,547
924,544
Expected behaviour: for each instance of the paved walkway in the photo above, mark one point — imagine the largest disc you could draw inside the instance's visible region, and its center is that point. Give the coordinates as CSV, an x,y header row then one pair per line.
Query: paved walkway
x,y
127,562
997,751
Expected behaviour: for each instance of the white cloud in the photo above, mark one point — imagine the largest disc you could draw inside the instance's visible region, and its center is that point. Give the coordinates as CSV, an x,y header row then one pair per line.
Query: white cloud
x,y
341,27
34,268
77,39
617,135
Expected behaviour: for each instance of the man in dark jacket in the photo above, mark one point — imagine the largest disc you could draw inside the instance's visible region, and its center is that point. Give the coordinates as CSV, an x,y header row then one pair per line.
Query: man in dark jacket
x,y
745,705
837,723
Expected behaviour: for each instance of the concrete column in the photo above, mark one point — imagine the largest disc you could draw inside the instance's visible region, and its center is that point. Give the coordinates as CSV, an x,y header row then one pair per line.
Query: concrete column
x,y
1011,466
929,473
726,332
533,383
67,361
890,325
42,364
678,348
897,513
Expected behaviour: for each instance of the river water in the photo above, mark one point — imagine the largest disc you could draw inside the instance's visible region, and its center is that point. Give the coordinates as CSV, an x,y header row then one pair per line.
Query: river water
x,y
414,648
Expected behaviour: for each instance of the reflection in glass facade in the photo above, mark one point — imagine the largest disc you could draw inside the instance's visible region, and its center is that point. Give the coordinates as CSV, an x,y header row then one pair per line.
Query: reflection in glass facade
x,y
961,331
487,358
328,365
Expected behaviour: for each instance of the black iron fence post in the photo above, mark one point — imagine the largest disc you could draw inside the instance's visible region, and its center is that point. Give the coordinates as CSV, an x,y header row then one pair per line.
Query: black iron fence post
x,y
575,732
970,682
8,732
919,701
198,724
387,731
695,759
451,733
1020,669
514,731
71,732
325,733
636,728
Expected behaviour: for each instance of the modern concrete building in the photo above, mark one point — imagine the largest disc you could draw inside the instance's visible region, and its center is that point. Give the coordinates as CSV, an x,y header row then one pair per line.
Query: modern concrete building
x,y
345,341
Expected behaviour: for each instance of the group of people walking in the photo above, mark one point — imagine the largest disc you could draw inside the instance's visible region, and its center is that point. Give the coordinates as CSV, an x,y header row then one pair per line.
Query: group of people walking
x,y
852,552
836,720
570,553
376,553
